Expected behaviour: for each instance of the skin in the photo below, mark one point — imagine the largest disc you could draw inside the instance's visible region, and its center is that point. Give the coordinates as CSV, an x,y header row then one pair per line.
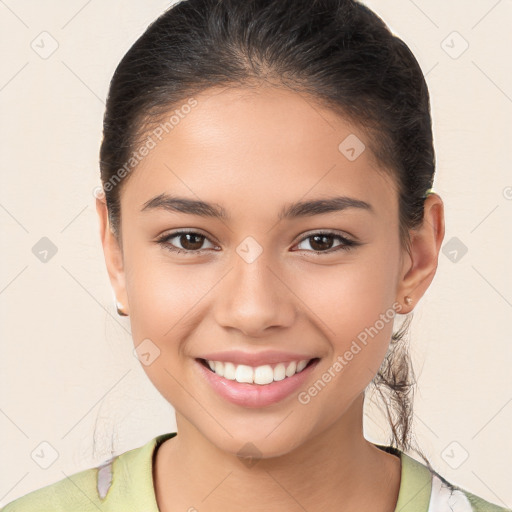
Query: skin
x,y
252,152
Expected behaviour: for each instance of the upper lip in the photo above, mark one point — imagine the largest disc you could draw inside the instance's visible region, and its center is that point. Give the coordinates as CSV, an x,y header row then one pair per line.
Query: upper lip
x,y
256,358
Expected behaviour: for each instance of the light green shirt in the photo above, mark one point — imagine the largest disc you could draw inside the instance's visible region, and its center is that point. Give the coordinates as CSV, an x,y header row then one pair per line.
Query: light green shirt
x,y
125,484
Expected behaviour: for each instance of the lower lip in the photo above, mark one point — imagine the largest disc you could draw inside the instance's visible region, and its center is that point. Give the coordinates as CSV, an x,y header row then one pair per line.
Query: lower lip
x,y
255,395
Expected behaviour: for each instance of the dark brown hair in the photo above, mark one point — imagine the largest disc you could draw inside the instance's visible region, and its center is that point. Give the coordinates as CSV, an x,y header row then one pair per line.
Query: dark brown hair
x,y
338,53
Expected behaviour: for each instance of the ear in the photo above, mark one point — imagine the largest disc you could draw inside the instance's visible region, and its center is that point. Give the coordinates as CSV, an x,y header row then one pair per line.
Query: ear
x,y
113,253
420,265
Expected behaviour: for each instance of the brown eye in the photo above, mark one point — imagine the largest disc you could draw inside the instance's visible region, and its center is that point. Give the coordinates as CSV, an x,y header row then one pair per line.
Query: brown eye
x,y
190,241
323,242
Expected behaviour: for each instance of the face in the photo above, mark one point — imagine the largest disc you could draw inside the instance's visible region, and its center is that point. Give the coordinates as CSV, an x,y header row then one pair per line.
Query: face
x,y
315,282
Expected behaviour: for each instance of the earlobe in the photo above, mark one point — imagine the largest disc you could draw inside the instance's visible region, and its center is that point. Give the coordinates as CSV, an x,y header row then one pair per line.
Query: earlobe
x,y
113,255
420,267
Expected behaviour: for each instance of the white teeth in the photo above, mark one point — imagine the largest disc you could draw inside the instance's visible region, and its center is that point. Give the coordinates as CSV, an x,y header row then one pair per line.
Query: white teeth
x,y
263,374
229,371
280,372
301,365
260,375
219,368
291,369
243,373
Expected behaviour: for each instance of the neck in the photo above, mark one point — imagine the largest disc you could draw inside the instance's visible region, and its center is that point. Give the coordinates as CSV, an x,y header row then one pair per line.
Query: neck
x,y
336,469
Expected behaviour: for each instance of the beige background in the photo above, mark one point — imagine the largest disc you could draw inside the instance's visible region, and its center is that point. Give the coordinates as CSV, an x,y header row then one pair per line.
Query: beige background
x,y
67,358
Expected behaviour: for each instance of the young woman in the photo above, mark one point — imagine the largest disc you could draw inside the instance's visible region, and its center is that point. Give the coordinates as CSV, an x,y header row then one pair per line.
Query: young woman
x,y
267,211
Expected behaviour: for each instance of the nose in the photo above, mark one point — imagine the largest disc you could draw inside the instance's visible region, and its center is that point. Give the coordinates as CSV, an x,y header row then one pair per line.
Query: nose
x,y
255,297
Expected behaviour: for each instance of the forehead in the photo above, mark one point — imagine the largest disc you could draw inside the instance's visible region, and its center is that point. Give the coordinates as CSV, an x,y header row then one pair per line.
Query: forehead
x,y
244,148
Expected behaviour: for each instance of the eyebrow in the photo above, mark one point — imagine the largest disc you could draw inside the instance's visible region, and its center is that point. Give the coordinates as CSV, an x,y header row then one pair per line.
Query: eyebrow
x,y
171,203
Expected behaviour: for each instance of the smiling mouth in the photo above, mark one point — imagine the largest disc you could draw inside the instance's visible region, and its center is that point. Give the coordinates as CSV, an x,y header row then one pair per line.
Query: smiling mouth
x,y
205,363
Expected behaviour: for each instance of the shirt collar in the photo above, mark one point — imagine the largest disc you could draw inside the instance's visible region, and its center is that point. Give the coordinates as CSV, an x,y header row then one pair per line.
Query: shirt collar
x,y
133,485
415,483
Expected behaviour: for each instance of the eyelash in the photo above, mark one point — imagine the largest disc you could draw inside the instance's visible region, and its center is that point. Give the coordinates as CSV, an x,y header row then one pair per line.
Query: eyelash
x,y
347,244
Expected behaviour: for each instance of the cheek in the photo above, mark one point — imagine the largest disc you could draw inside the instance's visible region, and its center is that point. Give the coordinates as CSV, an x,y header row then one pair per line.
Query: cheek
x,y
348,297
163,296
352,305
163,300
168,301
